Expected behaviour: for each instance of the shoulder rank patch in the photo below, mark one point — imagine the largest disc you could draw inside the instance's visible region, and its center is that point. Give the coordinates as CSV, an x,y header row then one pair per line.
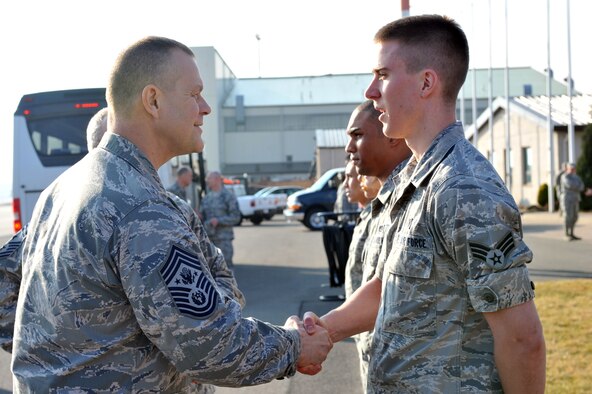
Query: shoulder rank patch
x,y
495,257
192,291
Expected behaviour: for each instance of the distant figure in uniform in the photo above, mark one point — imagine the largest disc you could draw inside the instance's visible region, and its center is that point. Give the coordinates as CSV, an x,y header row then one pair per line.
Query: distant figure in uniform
x,y
451,303
571,189
380,159
184,179
116,292
220,213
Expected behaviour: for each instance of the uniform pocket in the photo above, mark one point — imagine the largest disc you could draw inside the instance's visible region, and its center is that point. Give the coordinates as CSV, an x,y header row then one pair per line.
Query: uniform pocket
x,y
409,306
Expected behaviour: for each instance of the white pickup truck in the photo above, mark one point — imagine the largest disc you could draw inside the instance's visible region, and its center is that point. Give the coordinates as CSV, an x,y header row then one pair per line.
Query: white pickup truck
x,y
266,203
261,206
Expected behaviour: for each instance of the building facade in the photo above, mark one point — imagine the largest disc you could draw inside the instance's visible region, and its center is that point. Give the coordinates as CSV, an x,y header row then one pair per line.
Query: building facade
x,y
536,155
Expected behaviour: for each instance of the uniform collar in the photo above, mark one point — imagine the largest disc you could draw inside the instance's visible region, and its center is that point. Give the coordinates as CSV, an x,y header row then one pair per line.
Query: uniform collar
x,y
389,186
436,152
414,173
125,149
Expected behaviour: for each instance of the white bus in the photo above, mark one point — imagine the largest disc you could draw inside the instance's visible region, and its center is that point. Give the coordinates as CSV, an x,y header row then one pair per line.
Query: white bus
x,y
49,137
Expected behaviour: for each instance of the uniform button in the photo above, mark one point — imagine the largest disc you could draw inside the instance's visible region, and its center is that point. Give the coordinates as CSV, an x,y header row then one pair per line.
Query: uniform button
x,y
489,297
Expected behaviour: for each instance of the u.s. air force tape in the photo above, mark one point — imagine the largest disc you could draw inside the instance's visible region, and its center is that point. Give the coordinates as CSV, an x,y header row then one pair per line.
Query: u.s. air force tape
x,y
192,291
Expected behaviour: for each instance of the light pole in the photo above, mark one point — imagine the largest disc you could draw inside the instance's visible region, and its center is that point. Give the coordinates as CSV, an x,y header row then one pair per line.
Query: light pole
x,y
570,131
550,191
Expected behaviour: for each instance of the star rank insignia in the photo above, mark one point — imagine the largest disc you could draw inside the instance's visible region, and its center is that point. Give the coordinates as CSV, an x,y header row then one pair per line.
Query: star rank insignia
x,y
192,291
496,257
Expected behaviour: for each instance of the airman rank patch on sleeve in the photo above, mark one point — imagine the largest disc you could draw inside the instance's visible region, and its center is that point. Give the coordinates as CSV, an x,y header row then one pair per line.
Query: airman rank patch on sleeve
x,y
192,291
496,257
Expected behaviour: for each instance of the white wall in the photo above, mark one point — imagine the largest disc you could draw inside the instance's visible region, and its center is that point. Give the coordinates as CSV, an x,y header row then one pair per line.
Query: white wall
x,y
268,146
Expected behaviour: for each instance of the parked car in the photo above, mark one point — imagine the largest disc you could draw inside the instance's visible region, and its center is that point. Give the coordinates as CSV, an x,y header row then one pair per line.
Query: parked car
x,y
305,205
265,203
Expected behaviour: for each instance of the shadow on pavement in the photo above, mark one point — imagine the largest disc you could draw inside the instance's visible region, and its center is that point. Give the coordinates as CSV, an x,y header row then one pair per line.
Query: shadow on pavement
x,y
274,293
541,228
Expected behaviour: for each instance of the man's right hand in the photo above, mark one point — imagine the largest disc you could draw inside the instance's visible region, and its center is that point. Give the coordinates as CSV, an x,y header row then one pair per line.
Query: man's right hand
x,y
314,346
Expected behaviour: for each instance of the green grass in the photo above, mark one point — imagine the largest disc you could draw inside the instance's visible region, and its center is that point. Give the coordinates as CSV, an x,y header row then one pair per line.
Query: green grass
x,y
565,309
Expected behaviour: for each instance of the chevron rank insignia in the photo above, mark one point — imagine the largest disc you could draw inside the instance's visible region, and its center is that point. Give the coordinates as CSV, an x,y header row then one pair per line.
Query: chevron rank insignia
x,y
496,257
192,291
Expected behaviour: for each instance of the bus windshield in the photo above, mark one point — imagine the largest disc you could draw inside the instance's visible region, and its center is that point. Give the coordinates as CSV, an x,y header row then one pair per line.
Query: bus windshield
x,y
59,141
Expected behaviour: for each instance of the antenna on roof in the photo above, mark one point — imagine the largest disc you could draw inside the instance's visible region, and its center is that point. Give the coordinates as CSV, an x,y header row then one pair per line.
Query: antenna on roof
x,y
258,37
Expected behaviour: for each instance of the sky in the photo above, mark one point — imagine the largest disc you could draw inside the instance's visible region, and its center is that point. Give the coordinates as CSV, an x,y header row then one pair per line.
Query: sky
x,y
63,44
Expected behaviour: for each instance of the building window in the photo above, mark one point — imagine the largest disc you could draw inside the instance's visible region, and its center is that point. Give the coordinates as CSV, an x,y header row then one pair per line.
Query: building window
x,y
527,89
526,165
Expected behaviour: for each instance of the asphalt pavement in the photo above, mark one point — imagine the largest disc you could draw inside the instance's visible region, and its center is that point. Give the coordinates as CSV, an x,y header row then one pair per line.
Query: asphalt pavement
x,y
281,267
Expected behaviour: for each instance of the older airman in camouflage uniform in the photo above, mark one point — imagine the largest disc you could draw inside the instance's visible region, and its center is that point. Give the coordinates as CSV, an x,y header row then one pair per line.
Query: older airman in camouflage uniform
x,y
223,276
220,213
116,293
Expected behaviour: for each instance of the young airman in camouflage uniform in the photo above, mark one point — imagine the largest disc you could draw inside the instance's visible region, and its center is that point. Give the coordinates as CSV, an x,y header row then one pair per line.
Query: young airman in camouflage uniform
x,y
374,155
116,293
451,278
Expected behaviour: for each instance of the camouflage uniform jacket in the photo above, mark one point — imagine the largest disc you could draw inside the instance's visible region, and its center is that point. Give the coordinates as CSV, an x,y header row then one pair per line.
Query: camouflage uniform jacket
x,y
116,294
224,207
353,268
571,186
10,281
453,252
379,224
10,271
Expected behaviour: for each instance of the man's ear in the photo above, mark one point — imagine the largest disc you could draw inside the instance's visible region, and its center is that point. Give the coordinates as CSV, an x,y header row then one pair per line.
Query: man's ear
x,y
150,100
429,81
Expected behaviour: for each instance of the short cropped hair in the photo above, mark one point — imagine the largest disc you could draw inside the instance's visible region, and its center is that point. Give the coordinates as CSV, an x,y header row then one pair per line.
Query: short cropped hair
x,y
144,62
431,41
373,114
183,170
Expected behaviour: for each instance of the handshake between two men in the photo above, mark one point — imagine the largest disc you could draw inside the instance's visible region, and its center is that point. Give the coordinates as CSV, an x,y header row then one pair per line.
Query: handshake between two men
x,y
356,315
315,342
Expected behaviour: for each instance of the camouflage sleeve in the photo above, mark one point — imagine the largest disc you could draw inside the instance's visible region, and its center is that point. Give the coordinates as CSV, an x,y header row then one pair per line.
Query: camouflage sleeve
x,y
10,280
479,226
214,257
233,214
217,264
181,310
